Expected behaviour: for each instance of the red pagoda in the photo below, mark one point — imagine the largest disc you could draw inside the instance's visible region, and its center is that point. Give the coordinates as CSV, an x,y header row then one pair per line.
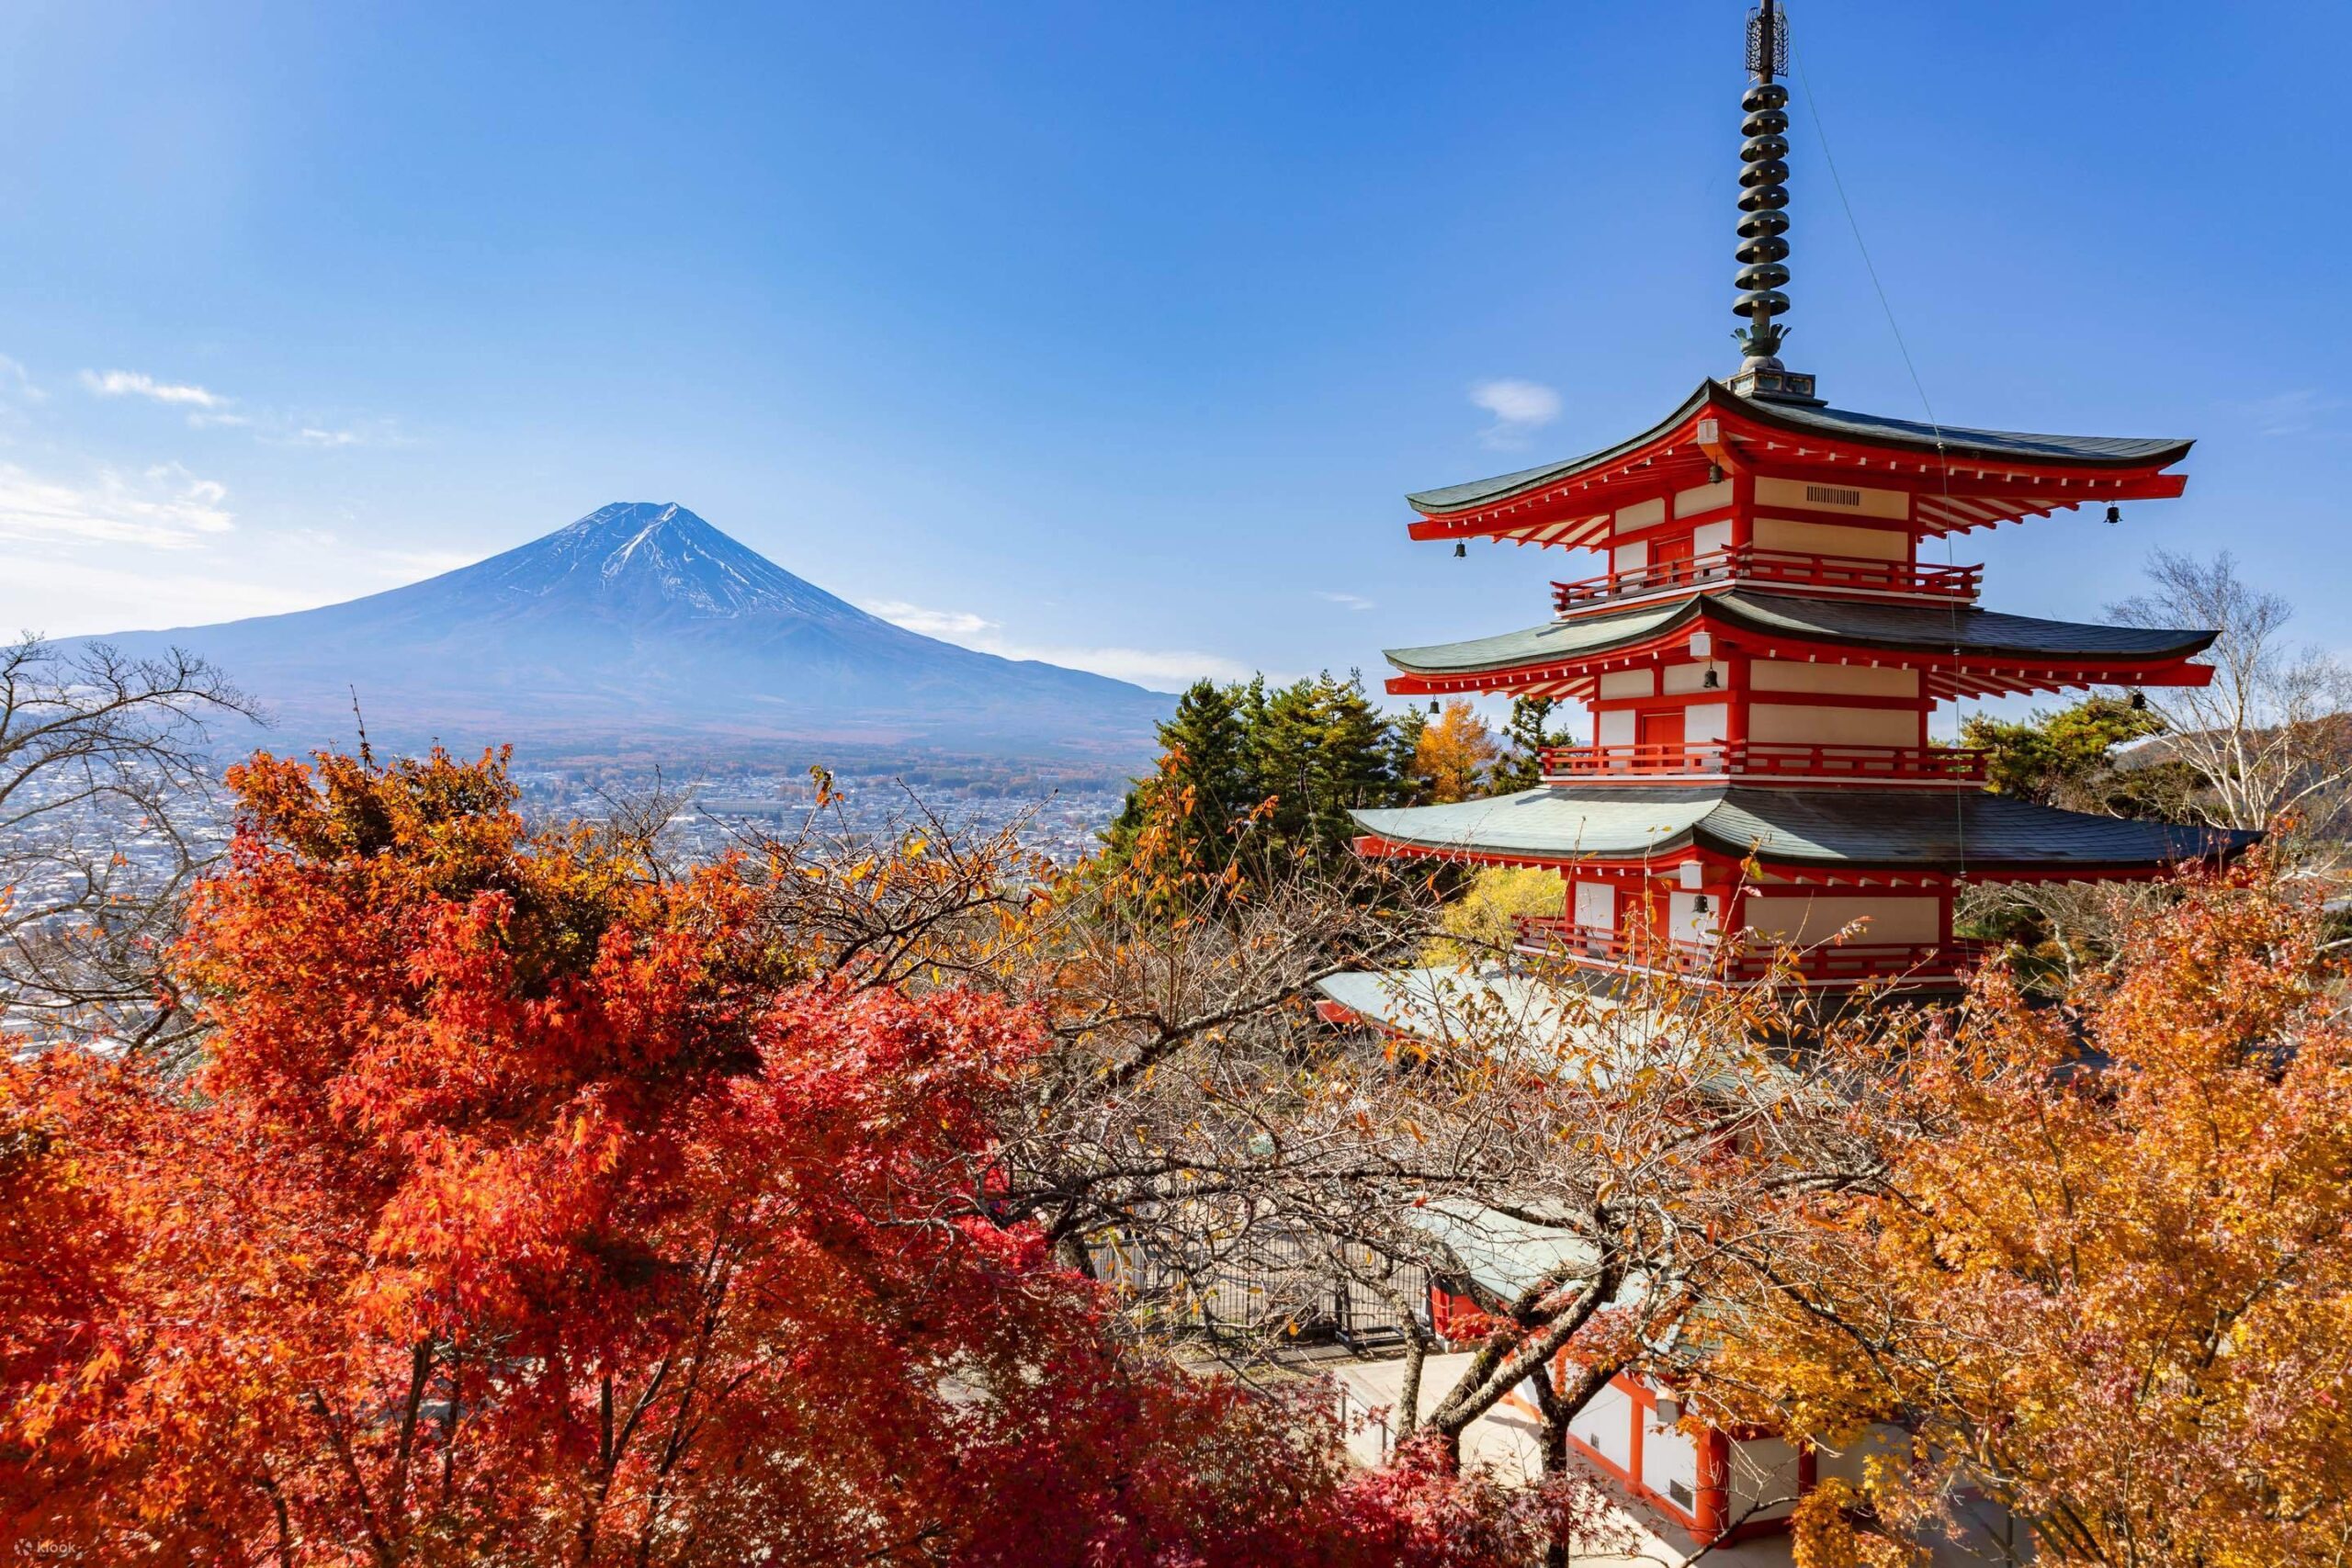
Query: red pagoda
x,y
1760,802
1760,656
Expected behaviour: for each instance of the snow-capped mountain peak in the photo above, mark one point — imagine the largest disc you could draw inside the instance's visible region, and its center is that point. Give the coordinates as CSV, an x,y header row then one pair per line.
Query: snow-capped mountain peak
x,y
641,625
645,553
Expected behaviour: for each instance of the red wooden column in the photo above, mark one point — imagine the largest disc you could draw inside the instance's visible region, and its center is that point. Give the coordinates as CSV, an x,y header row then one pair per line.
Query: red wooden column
x,y
1711,1505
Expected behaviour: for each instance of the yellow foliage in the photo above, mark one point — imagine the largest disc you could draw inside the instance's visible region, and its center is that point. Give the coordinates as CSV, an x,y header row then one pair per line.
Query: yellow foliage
x,y
1455,753
1479,925
2123,1284
1819,1535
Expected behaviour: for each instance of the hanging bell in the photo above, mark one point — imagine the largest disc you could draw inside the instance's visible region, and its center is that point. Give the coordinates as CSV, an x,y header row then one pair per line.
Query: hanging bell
x,y
2139,701
1715,473
2114,515
1461,551
1433,705
1713,681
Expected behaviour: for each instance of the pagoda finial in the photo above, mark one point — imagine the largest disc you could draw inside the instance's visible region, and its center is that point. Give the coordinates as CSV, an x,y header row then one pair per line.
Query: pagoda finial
x,y
1763,217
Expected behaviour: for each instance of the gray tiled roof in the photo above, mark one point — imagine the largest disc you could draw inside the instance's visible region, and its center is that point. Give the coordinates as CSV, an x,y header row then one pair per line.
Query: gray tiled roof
x,y
1957,441
1883,828
1921,628
1440,999
1960,440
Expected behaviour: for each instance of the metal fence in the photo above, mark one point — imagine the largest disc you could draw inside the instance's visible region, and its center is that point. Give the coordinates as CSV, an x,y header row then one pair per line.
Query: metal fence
x,y
1288,1286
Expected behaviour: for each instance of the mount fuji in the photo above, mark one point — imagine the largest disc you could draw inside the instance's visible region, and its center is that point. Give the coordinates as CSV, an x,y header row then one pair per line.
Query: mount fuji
x,y
638,627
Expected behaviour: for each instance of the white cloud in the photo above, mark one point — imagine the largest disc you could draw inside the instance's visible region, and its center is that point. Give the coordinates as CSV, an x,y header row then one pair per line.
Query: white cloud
x,y
1164,670
2294,413
208,410
1346,601
17,382
135,383
1161,669
299,429
1519,407
408,564
59,597
166,508
951,625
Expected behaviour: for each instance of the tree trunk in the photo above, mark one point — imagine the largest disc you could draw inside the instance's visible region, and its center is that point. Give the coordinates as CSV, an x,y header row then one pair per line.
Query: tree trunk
x,y
1550,1398
1408,1394
1509,1359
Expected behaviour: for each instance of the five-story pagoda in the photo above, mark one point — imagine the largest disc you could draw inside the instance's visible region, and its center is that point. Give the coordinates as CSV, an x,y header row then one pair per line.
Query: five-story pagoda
x,y
1762,655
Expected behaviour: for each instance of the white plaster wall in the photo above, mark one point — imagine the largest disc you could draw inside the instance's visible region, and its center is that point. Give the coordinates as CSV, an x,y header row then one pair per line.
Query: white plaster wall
x,y
1846,680
1689,677
1709,537
1641,514
1705,721
1805,920
1797,724
1670,1458
1684,923
1702,498
1763,1479
1628,684
1633,557
1872,501
1829,540
1606,1424
1595,906
1614,726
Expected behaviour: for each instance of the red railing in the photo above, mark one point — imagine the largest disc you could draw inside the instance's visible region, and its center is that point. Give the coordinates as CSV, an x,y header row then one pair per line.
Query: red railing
x,y
1745,563
1749,958
1768,759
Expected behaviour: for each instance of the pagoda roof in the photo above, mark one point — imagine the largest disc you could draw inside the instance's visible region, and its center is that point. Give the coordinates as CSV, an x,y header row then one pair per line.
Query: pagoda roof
x,y
1966,477
1953,440
1971,833
1440,1001
1986,641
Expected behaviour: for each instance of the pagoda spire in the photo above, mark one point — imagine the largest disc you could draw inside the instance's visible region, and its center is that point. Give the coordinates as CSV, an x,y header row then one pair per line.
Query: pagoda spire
x,y
1763,211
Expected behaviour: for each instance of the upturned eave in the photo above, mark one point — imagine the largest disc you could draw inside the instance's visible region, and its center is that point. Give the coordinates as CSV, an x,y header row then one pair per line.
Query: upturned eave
x,y
1964,479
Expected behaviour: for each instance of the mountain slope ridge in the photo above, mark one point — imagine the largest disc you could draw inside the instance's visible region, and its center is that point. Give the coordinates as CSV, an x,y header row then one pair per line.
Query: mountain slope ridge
x,y
643,621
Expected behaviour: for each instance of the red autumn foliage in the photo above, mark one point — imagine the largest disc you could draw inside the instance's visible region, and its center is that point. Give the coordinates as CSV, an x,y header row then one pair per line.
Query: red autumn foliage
x,y
532,1208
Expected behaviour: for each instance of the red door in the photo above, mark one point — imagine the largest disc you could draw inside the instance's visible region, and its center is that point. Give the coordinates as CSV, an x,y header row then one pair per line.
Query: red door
x,y
1671,561
1658,736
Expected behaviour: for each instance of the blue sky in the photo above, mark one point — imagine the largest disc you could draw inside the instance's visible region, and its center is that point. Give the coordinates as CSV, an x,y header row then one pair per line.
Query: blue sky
x,y
1112,334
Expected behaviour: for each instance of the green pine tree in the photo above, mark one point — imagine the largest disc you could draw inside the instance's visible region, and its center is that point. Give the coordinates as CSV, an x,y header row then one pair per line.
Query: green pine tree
x,y
1205,748
1404,755
1525,740
1358,763
2067,758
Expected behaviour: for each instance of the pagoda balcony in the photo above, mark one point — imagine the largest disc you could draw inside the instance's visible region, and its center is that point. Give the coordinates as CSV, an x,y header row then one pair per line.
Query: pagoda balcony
x,y
1745,563
1775,762
1743,962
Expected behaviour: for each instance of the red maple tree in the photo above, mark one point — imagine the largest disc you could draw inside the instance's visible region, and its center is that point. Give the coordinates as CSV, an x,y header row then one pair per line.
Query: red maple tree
x,y
532,1206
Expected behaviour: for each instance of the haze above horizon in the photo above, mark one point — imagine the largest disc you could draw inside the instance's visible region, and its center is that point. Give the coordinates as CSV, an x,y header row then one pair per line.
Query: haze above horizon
x,y
1110,338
